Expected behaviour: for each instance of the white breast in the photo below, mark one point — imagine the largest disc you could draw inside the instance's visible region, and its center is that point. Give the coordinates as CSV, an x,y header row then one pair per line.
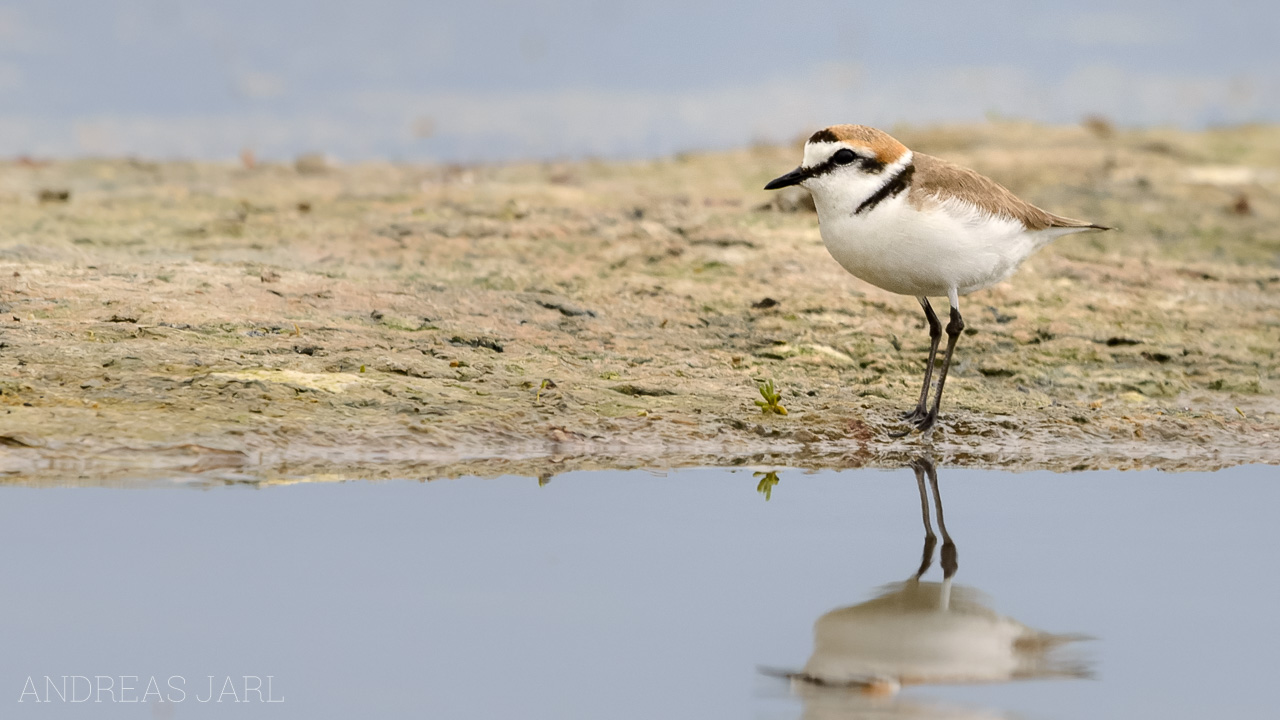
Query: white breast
x,y
930,251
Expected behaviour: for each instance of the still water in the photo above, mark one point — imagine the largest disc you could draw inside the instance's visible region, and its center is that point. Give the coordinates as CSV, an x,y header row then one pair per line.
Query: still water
x,y
637,595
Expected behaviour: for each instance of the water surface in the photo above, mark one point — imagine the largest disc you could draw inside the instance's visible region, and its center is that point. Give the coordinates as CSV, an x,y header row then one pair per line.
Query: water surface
x,y
493,81
632,594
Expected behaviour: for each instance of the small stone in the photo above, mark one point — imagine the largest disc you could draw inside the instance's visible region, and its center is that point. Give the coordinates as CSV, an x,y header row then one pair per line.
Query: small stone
x,y
21,439
312,164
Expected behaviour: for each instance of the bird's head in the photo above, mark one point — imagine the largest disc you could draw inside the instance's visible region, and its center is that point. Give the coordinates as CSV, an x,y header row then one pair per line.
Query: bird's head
x,y
846,162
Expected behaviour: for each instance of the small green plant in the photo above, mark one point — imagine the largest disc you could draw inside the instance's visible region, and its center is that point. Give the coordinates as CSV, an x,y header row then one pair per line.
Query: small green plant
x,y
771,397
767,481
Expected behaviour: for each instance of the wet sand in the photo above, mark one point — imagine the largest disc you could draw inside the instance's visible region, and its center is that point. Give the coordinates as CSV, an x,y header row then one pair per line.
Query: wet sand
x,y
214,322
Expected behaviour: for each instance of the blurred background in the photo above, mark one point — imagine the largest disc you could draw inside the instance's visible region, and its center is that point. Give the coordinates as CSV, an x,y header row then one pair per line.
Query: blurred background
x,y
482,81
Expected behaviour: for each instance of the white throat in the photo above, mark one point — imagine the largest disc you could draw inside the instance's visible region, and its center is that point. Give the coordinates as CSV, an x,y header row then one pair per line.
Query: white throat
x,y
842,191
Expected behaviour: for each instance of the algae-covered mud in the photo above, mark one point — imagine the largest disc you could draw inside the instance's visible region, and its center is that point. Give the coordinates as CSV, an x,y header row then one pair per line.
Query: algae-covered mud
x,y
269,322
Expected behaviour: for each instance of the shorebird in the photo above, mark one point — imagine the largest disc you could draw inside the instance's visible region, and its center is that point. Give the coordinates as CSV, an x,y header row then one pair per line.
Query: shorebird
x,y
917,225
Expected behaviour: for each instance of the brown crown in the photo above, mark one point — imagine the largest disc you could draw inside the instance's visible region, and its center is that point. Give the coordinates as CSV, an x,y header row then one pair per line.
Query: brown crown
x,y
886,149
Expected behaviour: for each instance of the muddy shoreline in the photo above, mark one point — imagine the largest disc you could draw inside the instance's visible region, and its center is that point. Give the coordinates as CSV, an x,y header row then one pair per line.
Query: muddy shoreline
x,y
219,323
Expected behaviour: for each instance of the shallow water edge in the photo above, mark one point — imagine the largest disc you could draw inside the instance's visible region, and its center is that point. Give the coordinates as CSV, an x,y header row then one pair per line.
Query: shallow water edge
x,y
106,464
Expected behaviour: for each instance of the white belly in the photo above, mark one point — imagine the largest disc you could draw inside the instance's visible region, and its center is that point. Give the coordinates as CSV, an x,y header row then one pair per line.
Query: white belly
x,y
927,253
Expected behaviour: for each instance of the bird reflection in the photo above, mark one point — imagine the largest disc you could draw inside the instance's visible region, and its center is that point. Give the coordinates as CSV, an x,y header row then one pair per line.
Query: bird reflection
x,y
918,632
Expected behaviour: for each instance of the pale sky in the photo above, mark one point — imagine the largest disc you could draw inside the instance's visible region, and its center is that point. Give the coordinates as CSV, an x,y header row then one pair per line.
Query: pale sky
x,y
410,80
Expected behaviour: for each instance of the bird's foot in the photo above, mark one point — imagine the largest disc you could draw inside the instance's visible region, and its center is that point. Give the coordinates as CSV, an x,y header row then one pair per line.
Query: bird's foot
x,y
926,423
922,421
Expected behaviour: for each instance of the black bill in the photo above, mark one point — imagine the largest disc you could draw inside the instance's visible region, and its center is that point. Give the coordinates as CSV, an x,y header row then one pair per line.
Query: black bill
x,y
795,177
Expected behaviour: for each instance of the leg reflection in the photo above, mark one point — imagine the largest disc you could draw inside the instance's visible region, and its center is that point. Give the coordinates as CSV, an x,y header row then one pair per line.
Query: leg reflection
x,y
930,540
924,467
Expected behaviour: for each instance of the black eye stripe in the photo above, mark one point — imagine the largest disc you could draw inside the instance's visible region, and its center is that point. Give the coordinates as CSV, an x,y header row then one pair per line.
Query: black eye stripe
x,y
869,164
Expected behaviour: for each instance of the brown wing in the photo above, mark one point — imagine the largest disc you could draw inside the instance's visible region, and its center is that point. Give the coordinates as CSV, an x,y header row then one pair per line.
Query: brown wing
x,y
936,178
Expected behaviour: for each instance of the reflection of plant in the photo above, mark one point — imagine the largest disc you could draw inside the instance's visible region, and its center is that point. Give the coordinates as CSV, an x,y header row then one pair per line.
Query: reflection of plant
x,y
771,397
767,481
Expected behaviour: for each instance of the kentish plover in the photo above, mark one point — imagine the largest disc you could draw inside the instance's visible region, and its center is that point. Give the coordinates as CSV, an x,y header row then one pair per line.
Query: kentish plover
x,y
917,225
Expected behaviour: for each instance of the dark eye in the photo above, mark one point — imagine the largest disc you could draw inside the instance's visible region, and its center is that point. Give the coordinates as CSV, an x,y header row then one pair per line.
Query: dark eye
x,y
844,157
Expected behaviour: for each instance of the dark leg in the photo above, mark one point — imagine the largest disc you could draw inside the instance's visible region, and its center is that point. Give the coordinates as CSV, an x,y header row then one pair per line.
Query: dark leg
x,y
935,336
954,328
930,540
